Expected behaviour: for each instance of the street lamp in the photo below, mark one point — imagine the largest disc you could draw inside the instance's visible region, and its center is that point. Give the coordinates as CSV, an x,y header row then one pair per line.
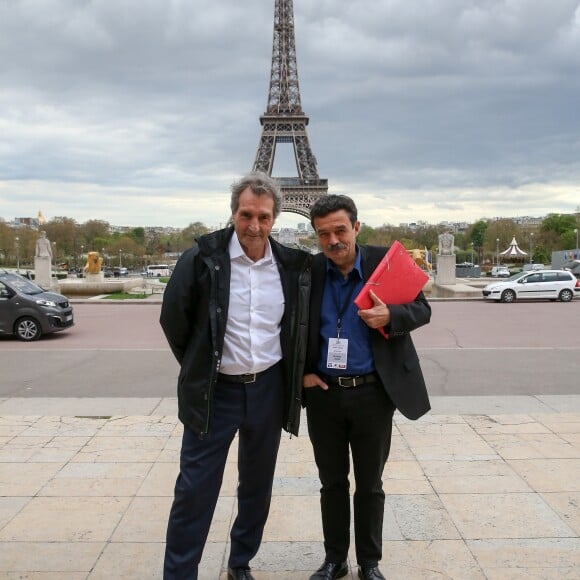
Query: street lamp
x,y
497,251
120,262
472,253
531,246
17,244
576,232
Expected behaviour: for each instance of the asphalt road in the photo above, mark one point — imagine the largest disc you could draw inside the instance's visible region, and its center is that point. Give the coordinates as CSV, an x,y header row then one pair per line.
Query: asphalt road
x,y
469,348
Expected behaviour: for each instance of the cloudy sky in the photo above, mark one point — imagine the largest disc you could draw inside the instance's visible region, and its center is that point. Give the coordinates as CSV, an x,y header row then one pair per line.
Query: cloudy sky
x,y
143,112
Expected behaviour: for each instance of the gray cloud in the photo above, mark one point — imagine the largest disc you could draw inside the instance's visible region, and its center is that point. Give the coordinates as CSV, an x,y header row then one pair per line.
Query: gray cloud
x,y
438,110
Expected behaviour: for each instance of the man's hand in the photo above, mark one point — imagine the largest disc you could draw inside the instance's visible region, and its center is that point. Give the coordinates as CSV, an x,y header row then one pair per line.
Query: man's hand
x,y
313,380
378,316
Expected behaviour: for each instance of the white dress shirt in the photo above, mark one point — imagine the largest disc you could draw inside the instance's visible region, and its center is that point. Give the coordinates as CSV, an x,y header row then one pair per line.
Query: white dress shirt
x,y
252,339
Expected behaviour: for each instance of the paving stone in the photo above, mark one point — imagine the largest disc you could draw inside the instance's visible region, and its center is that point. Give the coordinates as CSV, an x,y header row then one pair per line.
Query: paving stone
x,y
547,558
504,515
66,519
50,557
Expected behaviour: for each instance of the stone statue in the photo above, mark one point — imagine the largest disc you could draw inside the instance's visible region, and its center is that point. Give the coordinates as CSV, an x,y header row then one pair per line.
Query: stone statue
x,y
446,244
94,262
43,249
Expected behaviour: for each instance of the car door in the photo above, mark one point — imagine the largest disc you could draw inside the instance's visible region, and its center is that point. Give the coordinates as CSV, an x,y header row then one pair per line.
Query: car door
x,y
550,286
530,286
7,309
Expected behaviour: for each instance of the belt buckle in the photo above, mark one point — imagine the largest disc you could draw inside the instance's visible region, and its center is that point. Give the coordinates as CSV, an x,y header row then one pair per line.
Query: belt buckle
x,y
345,386
250,378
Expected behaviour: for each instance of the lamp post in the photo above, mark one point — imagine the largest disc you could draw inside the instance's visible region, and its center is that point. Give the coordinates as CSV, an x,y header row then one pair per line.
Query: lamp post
x,y
576,232
103,255
497,251
472,253
17,244
54,256
531,246
120,260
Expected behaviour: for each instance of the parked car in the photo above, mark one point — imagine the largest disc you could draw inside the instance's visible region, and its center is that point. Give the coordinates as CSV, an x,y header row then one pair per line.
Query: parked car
x,y
28,311
500,272
533,267
573,266
120,272
550,284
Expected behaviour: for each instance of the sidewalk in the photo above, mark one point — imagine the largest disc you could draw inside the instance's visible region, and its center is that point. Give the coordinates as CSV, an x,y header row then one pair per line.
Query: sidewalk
x,y
481,488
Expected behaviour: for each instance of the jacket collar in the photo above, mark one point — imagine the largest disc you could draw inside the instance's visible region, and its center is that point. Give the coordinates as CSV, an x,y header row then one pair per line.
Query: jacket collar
x,y
216,242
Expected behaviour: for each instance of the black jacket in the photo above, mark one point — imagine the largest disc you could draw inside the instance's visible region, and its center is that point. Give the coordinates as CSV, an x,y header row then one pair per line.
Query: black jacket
x,y
395,358
194,316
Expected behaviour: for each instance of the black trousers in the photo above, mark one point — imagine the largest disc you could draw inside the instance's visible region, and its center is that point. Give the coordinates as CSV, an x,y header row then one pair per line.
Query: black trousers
x,y
359,418
255,411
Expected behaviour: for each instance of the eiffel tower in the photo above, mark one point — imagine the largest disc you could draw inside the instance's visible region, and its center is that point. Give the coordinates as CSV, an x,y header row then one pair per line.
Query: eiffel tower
x,y
285,122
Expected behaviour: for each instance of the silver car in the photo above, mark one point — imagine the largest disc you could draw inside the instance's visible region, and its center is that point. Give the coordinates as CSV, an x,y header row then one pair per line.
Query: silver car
x,y
550,284
28,311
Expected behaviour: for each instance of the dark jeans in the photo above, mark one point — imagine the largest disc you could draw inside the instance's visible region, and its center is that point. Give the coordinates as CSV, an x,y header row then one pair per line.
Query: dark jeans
x,y
359,418
255,411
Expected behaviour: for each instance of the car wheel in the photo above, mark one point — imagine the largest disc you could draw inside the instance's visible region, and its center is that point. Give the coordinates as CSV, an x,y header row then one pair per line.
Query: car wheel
x,y
566,295
508,296
27,329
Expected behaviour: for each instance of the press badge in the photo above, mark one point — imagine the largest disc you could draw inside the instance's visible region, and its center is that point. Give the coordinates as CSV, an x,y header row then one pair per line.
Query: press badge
x,y
337,353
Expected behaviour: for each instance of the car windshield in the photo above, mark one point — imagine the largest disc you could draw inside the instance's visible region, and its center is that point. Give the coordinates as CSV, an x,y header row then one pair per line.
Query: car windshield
x,y
24,286
515,276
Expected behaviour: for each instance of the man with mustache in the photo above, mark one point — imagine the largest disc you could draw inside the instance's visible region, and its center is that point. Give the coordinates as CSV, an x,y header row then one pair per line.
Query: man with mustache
x,y
355,379
235,316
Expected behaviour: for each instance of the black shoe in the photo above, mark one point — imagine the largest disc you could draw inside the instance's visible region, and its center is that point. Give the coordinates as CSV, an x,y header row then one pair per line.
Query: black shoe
x,y
330,571
239,574
370,573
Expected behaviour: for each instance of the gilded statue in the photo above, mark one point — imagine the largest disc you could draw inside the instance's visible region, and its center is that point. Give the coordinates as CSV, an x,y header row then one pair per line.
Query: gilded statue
x,y
94,263
420,258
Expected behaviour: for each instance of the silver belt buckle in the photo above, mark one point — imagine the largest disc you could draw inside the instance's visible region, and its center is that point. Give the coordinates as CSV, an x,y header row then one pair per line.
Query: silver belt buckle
x,y
250,378
353,379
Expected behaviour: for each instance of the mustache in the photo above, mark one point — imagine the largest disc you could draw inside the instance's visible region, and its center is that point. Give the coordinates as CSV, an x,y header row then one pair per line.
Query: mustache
x,y
337,246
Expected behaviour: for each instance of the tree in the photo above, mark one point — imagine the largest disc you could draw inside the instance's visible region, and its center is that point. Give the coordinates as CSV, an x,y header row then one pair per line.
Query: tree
x,y
138,235
62,232
364,234
95,229
477,236
192,232
559,223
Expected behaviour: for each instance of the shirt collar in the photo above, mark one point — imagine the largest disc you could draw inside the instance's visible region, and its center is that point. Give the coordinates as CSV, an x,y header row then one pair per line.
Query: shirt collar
x,y
331,267
237,252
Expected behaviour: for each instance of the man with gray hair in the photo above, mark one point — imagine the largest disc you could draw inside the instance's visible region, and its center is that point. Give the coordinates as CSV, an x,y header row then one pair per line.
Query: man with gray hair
x,y
235,316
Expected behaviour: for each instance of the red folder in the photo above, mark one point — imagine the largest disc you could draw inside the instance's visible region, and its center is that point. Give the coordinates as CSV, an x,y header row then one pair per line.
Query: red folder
x,y
396,280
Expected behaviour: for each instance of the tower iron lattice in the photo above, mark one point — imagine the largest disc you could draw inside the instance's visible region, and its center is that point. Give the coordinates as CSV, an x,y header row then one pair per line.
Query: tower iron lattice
x,y
285,122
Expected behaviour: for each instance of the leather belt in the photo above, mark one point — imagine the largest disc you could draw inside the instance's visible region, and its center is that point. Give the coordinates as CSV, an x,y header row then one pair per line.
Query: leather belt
x,y
351,381
245,378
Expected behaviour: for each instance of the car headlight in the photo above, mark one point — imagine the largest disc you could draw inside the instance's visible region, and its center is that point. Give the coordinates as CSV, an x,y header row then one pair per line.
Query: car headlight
x,y
48,303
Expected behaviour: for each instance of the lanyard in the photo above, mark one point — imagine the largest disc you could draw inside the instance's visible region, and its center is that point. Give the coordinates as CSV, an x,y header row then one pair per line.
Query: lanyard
x,y
342,309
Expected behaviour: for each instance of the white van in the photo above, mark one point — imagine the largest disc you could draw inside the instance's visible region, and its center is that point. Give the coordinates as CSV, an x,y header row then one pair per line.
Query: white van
x,y
158,271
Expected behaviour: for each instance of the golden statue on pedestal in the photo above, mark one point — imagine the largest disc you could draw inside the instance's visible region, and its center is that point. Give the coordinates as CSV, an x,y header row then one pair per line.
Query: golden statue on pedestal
x,y
94,263
420,258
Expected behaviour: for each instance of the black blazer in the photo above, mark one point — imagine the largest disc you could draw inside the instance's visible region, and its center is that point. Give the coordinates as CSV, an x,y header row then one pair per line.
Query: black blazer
x,y
396,360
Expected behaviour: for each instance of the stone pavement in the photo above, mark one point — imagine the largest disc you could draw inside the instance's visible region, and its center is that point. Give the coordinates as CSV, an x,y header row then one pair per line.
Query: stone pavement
x,y
483,487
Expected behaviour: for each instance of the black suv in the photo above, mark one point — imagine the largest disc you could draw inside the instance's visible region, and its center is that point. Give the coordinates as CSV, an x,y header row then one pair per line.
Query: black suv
x,y
28,311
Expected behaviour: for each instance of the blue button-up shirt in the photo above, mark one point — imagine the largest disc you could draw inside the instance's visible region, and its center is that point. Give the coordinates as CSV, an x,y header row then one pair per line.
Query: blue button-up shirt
x,y
337,289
